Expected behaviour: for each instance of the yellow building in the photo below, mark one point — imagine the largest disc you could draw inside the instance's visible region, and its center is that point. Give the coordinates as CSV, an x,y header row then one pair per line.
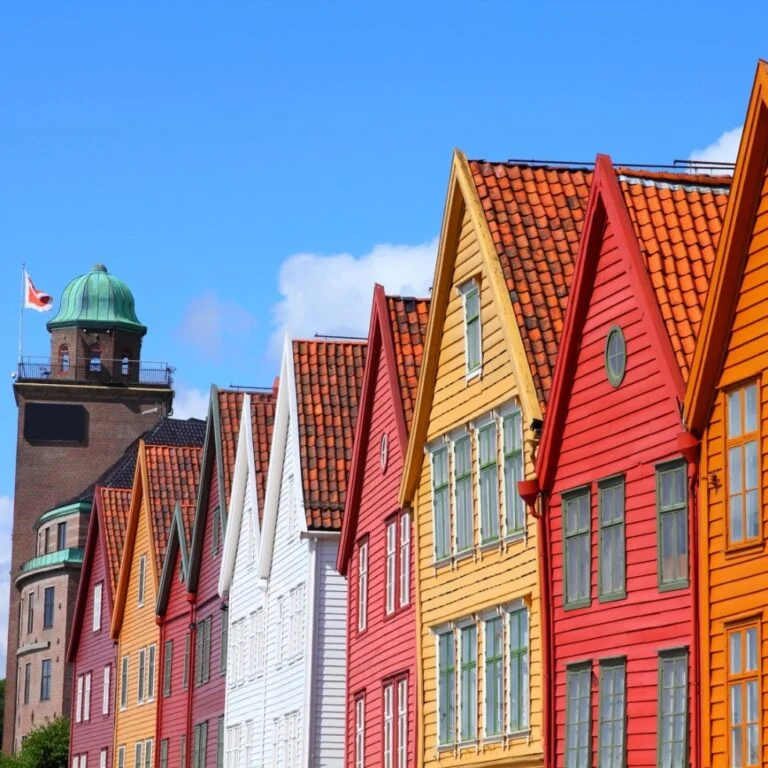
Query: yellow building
x,y
509,239
165,475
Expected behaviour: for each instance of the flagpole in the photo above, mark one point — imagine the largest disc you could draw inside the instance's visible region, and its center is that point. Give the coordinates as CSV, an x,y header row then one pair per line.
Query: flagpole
x,y
21,309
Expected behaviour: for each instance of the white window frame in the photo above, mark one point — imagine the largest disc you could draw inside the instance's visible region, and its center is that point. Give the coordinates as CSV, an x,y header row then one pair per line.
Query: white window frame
x,y
141,673
507,413
103,758
438,632
124,676
391,566
457,436
121,756
517,607
402,722
87,698
360,731
362,585
105,689
138,757
495,615
261,642
465,289
481,425
388,723
79,700
151,671
405,558
457,679
142,585
441,444
97,594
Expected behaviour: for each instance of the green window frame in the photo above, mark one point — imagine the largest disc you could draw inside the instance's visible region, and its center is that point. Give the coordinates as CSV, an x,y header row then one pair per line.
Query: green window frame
x,y
519,670
462,489
468,683
183,751
447,687
121,756
578,716
472,330
164,753
494,677
612,720
512,436
167,667
577,547
672,730
672,525
612,548
215,531
224,640
185,670
441,503
139,755
488,462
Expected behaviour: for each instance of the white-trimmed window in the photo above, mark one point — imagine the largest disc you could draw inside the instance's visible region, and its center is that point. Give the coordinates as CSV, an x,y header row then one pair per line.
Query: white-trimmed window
x,y
405,558
97,590
468,683
151,672
248,742
470,292
140,679
519,671
441,502
252,640
105,689
360,732
297,621
79,700
389,725
138,761
87,698
121,756
487,450
124,683
402,723
261,642
142,578
493,682
446,685
103,758
148,744
462,492
282,627
391,576
512,435
362,585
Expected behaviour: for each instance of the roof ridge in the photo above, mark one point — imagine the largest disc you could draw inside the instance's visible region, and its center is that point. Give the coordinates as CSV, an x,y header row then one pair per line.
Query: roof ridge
x,y
399,297
554,165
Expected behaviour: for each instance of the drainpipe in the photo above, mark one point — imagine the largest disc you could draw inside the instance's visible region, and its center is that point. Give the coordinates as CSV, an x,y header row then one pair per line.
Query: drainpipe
x,y
690,447
529,492
191,599
160,621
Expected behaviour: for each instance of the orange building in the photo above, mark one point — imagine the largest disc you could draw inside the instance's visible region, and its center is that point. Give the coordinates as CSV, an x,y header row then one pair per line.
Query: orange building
x,y
726,406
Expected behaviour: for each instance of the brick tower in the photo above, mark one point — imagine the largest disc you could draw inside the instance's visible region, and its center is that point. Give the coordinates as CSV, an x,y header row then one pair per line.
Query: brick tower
x,y
79,410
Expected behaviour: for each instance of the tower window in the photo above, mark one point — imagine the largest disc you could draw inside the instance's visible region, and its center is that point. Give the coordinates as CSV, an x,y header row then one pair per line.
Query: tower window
x,y
64,358
125,363
94,363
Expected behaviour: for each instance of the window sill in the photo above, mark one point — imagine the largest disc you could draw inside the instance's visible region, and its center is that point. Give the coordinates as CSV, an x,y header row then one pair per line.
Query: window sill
x,y
612,598
744,548
672,586
464,554
490,544
475,374
524,733
497,738
513,538
576,604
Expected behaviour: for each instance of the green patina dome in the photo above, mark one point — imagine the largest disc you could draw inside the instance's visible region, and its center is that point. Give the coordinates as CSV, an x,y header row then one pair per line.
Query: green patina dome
x,y
97,300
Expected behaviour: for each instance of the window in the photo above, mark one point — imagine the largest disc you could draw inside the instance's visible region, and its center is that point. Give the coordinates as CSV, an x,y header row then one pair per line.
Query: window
x,y
103,758
30,613
224,640
615,356
167,667
121,756
405,558
291,506
446,686
471,293
45,680
87,698
578,746
744,695
389,725
383,452
125,365
94,362
142,578
148,744
185,670
518,670
360,732
462,488
200,746
164,753
613,714
442,515
27,681
220,745
105,690
215,529
402,723
743,464
203,652
79,700
48,604
297,622
576,513
391,566
673,710
46,541
183,751
494,677
512,434
140,680
249,745
672,505
612,547
468,683
362,586
261,643
151,672
61,536
124,683
489,483
97,589
64,359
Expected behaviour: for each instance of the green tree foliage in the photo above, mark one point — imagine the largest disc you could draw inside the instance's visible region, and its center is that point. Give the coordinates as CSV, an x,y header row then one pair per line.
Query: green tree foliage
x,y
45,747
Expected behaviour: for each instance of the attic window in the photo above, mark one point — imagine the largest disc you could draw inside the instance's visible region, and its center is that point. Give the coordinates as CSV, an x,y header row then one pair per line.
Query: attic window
x,y
470,292
384,452
615,356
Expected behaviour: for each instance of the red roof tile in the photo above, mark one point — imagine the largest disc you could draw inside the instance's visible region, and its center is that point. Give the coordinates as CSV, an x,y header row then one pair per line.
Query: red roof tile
x,y
408,319
677,218
329,375
262,421
230,408
535,215
115,506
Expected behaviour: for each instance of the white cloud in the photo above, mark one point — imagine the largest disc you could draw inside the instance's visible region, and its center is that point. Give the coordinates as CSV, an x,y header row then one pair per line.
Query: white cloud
x,y
209,322
723,150
6,526
332,294
189,403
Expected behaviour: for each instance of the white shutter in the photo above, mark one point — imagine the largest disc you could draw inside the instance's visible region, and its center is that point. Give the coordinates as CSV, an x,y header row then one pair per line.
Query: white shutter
x,y
105,691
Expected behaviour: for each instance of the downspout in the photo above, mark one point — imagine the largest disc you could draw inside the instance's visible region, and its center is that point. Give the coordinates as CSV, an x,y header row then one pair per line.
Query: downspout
x,y
160,621
690,448
191,599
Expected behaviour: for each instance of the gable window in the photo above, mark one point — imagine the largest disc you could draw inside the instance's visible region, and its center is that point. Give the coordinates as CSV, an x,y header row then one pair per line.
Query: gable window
x,y
615,356
578,565
673,710
743,464
167,667
360,732
446,654
45,680
578,716
462,489
405,558
48,605
398,562
442,512
489,483
744,695
142,578
494,677
391,566
472,332
215,528
512,434
105,689
468,683
611,553
362,586
61,536
124,683
613,713
97,589
672,507
518,670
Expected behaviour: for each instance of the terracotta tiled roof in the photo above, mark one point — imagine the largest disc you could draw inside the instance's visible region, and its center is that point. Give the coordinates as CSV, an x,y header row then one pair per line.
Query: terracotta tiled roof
x,y
115,506
174,474
230,408
262,421
677,218
329,375
408,319
535,215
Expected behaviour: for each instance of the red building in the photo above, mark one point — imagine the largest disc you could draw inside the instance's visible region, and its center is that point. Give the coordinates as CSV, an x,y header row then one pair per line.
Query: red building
x,y
375,553
618,533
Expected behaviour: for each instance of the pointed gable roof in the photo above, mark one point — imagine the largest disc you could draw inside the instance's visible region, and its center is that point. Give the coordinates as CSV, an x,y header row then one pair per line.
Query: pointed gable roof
x,y
650,212
731,257
262,422
179,538
115,505
397,331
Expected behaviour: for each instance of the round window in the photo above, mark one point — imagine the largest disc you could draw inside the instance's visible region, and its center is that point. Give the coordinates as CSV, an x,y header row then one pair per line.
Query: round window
x,y
615,356
383,452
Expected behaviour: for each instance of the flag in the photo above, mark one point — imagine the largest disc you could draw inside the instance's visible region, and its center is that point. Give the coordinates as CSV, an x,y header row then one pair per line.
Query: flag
x,y
34,299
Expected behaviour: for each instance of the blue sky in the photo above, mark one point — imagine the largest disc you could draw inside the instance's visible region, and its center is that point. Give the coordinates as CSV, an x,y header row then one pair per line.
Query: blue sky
x,y
249,167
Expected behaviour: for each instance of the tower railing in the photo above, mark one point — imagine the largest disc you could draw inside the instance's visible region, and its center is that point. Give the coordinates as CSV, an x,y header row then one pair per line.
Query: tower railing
x,y
95,371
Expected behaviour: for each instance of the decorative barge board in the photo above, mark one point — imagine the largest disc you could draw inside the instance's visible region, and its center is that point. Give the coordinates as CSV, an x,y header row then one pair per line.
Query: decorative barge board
x,y
726,406
509,239
616,517
375,552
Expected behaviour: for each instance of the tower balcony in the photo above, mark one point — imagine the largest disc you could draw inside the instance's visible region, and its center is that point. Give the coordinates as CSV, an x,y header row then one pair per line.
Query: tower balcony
x,y
95,370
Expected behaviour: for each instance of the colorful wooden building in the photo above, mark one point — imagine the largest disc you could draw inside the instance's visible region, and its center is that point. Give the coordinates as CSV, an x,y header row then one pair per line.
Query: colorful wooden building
x,y
509,238
375,552
616,519
725,406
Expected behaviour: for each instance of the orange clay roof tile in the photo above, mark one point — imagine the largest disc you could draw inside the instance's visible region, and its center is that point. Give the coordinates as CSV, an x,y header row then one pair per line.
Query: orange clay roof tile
x,y
329,375
115,506
230,408
262,422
